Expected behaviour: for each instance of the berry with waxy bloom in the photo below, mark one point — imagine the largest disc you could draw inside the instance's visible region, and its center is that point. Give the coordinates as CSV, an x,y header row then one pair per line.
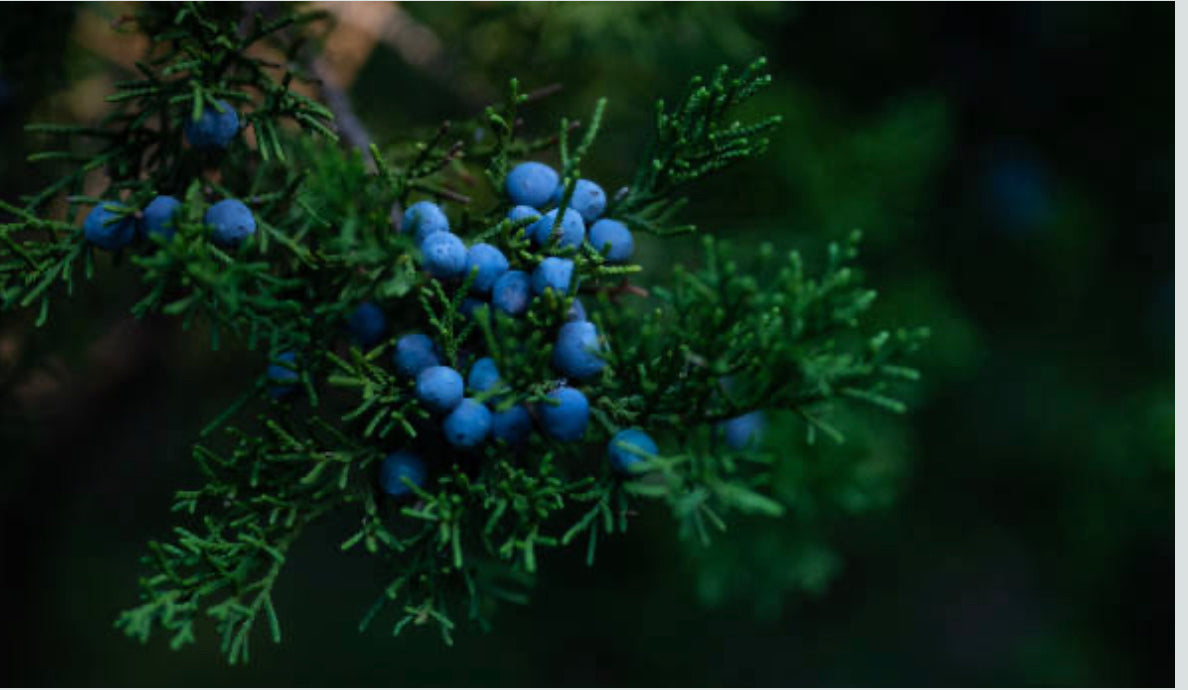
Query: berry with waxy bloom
x,y
553,273
512,425
468,424
414,353
567,416
743,431
483,376
215,127
230,221
423,219
396,468
512,293
531,184
576,351
444,256
572,230
105,228
440,388
612,239
487,263
628,448
367,324
158,216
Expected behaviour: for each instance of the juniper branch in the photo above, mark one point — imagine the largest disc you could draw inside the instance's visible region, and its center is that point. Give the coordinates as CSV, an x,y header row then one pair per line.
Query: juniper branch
x,y
719,341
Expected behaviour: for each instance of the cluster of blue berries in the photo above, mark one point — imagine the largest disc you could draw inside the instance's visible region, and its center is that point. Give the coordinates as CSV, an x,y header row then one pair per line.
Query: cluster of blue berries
x,y
627,449
534,187
535,191
367,326
446,257
474,410
467,422
110,227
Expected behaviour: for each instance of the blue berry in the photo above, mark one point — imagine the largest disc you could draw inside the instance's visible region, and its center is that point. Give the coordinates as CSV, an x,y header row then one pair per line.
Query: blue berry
x,y
158,216
444,255
531,184
105,228
230,222
743,431
576,312
396,468
440,388
613,238
512,425
588,199
576,352
622,458
367,324
414,353
423,219
553,273
519,213
282,372
213,129
567,419
468,425
572,229
483,376
490,264
512,292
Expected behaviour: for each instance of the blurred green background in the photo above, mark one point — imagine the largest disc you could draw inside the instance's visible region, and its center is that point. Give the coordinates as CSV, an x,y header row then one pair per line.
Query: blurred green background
x,y
1011,166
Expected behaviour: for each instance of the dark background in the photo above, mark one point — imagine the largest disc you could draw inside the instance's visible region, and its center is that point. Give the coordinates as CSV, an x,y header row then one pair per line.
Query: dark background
x,y
1012,168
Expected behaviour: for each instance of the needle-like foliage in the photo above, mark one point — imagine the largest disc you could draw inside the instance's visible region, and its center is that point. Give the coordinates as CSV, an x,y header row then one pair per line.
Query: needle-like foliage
x,y
730,336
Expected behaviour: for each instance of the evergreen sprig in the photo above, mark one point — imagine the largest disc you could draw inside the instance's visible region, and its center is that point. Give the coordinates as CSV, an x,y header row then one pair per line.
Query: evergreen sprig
x,y
720,341
693,139
196,58
257,500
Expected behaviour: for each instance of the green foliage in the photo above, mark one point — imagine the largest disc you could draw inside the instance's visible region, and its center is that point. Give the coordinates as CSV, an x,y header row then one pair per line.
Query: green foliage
x,y
195,58
257,499
820,484
723,339
692,140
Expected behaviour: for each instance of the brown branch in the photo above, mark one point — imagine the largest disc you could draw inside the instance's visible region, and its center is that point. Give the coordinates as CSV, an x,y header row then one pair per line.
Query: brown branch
x,y
352,129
